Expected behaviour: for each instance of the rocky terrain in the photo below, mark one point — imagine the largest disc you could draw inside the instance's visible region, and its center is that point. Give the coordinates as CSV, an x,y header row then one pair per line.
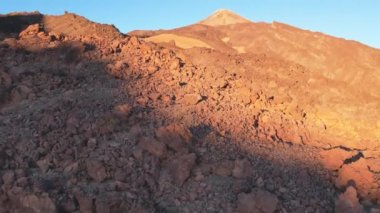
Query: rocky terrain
x,y
92,120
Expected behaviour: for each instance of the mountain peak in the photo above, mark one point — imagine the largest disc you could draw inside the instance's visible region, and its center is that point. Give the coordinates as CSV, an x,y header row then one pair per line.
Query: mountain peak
x,y
223,17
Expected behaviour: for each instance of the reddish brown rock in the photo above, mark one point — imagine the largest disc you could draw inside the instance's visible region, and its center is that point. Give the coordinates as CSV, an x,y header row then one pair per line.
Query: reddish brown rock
x,y
142,101
22,182
123,109
242,169
39,204
180,168
174,65
256,201
138,153
139,210
251,97
30,30
358,173
69,205
153,147
96,170
175,136
191,99
152,69
92,143
374,164
72,168
120,65
244,95
134,41
102,206
333,159
8,177
10,42
20,93
85,203
5,79
348,202
224,168
44,164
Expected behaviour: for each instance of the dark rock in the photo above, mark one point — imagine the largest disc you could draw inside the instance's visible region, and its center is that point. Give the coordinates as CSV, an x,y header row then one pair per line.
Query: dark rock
x,y
257,201
96,170
153,147
180,168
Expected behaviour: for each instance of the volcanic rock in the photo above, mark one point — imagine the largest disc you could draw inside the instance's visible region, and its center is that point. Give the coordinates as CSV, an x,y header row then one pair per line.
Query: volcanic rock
x,y
348,202
191,99
5,79
8,177
224,168
153,147
242,169
180,168
373,164
175,136
333,159
257,201
30,30
123,109
39,204
96,170
85,203
278,101
356,173
10,42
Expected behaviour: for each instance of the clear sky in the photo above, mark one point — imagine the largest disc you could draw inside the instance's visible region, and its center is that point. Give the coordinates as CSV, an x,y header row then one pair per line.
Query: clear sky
x,y
351,19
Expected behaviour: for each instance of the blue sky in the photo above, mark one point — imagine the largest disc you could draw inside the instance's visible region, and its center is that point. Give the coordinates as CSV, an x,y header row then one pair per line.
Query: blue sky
x,y
350,19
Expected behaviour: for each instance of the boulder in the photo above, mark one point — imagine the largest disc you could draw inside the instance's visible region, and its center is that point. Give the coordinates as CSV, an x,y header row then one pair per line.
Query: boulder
x,y
123,109
152,146
10,43
96,170
224,168
5,79
257,201
358,174
33,29
348,202
176,137
41,204
191,99
8,177
85,203
180,168
333,159
242,169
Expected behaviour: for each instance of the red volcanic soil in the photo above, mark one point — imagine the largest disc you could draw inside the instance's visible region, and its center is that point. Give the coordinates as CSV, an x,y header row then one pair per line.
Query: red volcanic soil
x,y
225,115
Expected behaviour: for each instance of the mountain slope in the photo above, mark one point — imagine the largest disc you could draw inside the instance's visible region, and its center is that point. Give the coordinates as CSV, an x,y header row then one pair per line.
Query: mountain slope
x,y
93,122
342,76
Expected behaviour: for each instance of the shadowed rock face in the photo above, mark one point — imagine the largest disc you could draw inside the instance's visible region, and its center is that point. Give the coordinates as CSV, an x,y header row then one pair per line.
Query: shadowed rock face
x,y
95,121
68,24
17,22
